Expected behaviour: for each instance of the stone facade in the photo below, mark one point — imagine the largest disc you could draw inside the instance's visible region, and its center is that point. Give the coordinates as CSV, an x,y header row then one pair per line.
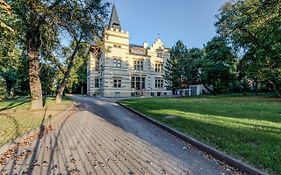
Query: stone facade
x,y
124,69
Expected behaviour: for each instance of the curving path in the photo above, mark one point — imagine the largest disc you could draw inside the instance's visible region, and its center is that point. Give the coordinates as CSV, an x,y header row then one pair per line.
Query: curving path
x,y
100,137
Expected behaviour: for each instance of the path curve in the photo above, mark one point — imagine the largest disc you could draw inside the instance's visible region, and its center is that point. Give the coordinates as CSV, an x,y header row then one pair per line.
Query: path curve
x,y
101,137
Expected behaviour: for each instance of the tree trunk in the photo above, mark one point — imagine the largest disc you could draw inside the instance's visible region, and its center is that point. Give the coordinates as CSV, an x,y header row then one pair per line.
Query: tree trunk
x,y
244,87
277,90
208,89
12,92
59,93
82,89
256,86
34,79
63,83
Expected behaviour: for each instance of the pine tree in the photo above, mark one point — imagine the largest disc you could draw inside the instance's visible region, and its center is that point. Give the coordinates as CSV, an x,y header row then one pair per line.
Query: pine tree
x,y
174,66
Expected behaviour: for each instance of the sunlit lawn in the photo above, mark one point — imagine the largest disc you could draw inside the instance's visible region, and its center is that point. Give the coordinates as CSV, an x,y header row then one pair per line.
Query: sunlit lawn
x,y
248,128
16,118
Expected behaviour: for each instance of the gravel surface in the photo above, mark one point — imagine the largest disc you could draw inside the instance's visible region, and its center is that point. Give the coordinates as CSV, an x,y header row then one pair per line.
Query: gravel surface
x,y
100,137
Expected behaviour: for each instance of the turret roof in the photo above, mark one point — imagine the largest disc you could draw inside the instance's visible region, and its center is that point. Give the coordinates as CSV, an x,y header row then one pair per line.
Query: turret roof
x,y
114,20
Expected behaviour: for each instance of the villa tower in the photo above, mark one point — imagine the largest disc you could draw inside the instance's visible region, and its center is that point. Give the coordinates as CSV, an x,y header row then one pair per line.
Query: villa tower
x,y
125,69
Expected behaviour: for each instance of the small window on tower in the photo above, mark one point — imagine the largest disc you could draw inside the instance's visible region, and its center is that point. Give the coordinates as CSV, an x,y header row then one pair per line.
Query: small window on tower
x,y
159,53
117,63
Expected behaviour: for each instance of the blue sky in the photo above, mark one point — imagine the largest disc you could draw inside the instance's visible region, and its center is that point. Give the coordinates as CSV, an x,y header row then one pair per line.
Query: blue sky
x,y
191,21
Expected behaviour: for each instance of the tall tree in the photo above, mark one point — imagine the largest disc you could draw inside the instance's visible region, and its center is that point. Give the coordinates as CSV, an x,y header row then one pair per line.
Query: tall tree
x,y
218,67
38,27
88,22
9,53
174,66
191,66
40,24
254,25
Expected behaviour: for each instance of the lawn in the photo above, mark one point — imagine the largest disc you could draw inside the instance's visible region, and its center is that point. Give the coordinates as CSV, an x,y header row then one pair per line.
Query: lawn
x,y
248,128
16,118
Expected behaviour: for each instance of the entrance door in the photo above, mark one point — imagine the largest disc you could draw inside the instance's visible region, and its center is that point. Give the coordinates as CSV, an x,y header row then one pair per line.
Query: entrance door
x,y
138,84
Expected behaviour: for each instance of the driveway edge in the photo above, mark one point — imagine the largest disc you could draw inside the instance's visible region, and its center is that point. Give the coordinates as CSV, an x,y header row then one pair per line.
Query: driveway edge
x,y
242,166
19,139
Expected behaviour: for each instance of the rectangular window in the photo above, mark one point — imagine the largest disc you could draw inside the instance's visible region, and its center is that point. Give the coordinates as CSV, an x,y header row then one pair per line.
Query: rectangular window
x,y
101,82
133,82
116,46
117,83
97,65
117,63
96,83
137,82
158,67
138,65
159,54
159,83
143,83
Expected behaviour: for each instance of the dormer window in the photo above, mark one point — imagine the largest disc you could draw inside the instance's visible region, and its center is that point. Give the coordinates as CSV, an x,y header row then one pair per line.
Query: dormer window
x,y
159,53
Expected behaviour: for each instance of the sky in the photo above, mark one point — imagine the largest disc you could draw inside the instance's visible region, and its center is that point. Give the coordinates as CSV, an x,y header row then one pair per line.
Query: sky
x,y
191,21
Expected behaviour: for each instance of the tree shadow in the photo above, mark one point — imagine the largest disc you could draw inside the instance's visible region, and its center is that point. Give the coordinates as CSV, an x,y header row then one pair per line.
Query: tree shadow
x,y
35,149
14,104
198,107
44,101
14,150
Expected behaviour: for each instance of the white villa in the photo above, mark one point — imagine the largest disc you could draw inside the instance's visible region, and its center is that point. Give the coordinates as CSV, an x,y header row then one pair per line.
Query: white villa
x,y
125,69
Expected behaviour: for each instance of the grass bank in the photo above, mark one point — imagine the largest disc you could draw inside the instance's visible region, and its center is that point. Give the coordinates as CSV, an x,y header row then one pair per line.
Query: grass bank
x,y
248,128
16,118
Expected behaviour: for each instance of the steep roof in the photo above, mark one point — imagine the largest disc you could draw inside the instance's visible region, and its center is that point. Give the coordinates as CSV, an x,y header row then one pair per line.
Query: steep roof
x,y
114,20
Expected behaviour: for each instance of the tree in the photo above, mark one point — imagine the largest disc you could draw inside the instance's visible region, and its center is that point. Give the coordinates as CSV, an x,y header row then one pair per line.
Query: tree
x,y
191,66
41,22
254,26
174,66
3,92
78,75
87,26
218,66
9,52
37,27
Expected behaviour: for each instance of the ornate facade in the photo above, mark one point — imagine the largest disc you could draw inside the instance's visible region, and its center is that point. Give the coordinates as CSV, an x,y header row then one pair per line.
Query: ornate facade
x,y
124,69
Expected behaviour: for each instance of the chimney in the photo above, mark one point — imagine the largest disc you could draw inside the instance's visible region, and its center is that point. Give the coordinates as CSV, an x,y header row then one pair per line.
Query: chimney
x,y
145,45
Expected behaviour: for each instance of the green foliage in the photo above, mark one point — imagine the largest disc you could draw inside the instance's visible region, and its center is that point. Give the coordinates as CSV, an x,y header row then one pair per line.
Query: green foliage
x,y
78,75
47,76
191,66
173,68
6,18
3,89
254,26
218,66
214,65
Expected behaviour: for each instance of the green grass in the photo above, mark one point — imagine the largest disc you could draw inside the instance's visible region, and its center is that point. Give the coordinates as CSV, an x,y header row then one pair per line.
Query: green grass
x,y
16,118
248,128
